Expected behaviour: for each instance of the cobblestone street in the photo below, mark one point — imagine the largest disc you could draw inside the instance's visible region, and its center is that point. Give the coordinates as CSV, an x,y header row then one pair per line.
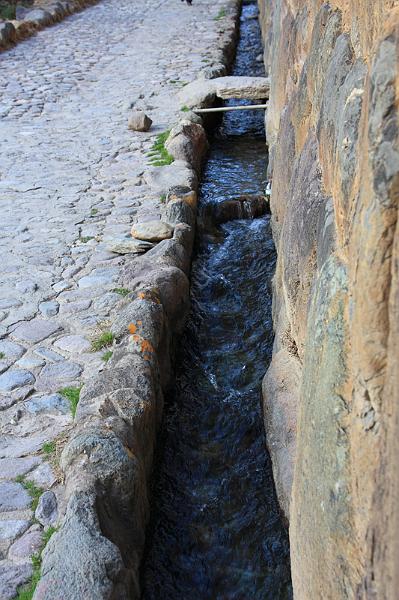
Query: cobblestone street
x,y
73,177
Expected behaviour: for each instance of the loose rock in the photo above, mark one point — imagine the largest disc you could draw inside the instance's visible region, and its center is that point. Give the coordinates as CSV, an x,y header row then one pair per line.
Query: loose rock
x,y
47,509
139,121
152,231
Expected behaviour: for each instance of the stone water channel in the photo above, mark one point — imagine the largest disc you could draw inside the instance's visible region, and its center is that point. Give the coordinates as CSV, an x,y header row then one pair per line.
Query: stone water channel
x,y
216,531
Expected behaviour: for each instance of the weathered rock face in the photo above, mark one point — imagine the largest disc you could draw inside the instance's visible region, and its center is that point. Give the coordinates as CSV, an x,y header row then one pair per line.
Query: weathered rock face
x,y
331,393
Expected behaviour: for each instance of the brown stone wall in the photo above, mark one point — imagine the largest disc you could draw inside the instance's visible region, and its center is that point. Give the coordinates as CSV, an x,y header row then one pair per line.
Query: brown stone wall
x,y
331,394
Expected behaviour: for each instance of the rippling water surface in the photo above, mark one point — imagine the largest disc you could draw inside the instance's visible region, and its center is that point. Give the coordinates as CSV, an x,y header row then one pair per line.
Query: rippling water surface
x,y
216,533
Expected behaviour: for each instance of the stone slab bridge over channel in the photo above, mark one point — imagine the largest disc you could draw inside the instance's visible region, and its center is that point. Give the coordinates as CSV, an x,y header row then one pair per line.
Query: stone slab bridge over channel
x,y
73,178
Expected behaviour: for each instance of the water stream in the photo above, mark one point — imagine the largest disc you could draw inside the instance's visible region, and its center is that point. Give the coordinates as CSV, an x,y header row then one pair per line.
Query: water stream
x,y
216,531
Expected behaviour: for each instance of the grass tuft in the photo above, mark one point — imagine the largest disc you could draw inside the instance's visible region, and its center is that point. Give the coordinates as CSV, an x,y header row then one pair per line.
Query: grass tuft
x,y
121,291
86,238
2,355
158,155
33,490
106,356
48,447
93,211
72,394
102,341
28,590
222,13
185,109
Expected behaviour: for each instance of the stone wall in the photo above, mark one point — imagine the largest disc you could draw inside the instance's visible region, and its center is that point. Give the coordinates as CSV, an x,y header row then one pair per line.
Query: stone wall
x,y
331,392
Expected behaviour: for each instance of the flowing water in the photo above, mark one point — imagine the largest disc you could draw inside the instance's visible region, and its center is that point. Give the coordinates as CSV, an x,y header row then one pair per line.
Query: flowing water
x,y
216,532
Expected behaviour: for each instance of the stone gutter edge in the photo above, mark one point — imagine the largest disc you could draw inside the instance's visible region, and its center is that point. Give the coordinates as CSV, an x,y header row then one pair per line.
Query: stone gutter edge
x,y
97,550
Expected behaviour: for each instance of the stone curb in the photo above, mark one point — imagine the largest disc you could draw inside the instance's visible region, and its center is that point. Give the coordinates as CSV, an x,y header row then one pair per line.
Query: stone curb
x,y
96,552
12,32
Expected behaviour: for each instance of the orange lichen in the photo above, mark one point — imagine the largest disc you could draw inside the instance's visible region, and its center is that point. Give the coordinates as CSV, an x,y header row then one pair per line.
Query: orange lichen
x,y
132,328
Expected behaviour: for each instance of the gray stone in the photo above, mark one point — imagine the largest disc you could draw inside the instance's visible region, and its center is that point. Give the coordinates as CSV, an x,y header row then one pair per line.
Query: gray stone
x,y
48,354
12,528
47,509
101,558
97,278
179,173
27,545
73,343
106,302
187,141
12,577
13,496
10,303
60,372
39,16
202,92
7,402
30,362
49,309
74,307
49,403
11,349
43,476
7,33
152,231
126,246
62,285
13,467
139,121
13,379
35,331
27,287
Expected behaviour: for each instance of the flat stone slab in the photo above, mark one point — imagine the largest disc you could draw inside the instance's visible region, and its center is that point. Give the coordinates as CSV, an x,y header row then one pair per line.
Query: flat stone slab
x,y
43,476
129,246
12,528
49,309
98,278
13,576
35,331
13,467
49,354
73,343
11,349
27,545
14,379
30,362
48,403
60,372
152,231
13,496
202,92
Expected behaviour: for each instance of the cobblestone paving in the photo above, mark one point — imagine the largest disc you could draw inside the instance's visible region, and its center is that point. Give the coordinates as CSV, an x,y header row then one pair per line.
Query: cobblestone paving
x,y
72,176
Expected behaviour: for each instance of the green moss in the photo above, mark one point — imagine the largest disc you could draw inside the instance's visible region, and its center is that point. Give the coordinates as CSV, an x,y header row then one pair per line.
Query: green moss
x,y
28,590
121,291
106,356
2,355
33,490
86,238
72,394
158,154
185,109
102,341
93,211
162,198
